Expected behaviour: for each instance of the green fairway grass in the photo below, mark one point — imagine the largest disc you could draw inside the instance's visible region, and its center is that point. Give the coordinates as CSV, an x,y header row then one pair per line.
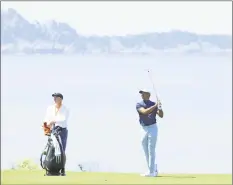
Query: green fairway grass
x,y
37,177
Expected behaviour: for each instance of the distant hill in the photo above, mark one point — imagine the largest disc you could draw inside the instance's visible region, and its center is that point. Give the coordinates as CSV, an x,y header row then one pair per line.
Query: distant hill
x,y
20,36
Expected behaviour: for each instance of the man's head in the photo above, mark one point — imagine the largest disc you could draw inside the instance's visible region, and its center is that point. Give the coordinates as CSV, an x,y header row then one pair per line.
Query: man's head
x,y
145,94
58,97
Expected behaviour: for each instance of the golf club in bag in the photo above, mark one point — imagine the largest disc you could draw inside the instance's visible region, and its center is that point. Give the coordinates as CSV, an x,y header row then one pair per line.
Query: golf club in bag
x,y
53,157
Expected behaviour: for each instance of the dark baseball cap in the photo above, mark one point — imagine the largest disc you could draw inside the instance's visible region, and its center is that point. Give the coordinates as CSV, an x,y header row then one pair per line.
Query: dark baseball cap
x,y
57,95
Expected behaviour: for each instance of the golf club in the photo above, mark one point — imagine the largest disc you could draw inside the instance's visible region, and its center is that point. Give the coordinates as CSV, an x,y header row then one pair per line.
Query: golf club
x,y
156,93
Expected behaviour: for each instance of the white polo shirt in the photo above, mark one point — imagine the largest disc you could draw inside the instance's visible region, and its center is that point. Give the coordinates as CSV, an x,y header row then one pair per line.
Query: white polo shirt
x,y
60,116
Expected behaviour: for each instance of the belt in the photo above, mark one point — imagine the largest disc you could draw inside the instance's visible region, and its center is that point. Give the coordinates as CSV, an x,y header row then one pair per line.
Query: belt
x,y
149,124
61,128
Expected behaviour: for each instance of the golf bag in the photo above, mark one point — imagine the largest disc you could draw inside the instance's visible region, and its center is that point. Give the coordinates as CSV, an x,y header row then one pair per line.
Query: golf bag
x,y
52,162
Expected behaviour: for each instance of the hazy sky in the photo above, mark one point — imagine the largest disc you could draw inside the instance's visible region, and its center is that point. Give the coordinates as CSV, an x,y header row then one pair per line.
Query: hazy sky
x,y
119,18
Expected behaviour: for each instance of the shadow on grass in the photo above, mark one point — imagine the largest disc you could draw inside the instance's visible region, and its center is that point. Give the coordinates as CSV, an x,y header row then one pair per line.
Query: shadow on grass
x,y
177,177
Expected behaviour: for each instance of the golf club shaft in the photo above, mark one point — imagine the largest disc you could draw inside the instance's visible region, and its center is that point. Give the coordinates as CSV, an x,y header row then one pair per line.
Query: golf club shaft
x,y
156,94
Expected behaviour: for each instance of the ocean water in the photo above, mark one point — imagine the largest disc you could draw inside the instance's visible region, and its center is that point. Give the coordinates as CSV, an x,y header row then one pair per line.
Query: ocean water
x,y
195,135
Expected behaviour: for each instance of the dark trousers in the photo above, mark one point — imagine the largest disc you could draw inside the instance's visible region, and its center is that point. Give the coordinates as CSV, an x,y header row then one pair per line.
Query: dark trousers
x,y
63,134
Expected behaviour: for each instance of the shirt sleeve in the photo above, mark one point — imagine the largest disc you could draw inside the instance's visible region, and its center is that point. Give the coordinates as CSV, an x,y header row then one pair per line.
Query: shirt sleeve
x,y
138,106
46,118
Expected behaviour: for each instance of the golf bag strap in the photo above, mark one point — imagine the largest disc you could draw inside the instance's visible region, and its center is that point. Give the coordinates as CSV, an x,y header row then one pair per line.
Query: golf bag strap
x,y
41,163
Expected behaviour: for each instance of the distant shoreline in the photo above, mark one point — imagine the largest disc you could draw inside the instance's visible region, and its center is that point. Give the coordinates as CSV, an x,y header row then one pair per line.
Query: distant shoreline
x,y
60,38
161,54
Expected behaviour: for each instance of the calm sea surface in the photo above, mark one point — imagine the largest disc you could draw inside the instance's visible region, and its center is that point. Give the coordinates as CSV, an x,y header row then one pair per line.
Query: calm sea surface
x,y
101,93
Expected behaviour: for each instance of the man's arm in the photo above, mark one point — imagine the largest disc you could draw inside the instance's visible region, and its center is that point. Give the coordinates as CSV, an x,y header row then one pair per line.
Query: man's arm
x,y
144,111
160,113
46,118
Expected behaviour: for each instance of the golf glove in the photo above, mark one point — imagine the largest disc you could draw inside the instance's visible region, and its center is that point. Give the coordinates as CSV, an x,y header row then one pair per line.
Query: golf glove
x,y
160,106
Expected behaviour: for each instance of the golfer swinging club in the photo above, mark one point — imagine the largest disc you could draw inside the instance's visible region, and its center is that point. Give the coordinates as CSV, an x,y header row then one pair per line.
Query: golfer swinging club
x,y
147,111
57,115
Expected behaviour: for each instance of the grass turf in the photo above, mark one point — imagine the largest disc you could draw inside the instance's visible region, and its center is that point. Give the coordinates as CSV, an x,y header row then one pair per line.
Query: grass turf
x,y
37,177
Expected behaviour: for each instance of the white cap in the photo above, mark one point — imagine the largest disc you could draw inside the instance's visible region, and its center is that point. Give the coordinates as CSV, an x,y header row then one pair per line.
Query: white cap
x,y
144,91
